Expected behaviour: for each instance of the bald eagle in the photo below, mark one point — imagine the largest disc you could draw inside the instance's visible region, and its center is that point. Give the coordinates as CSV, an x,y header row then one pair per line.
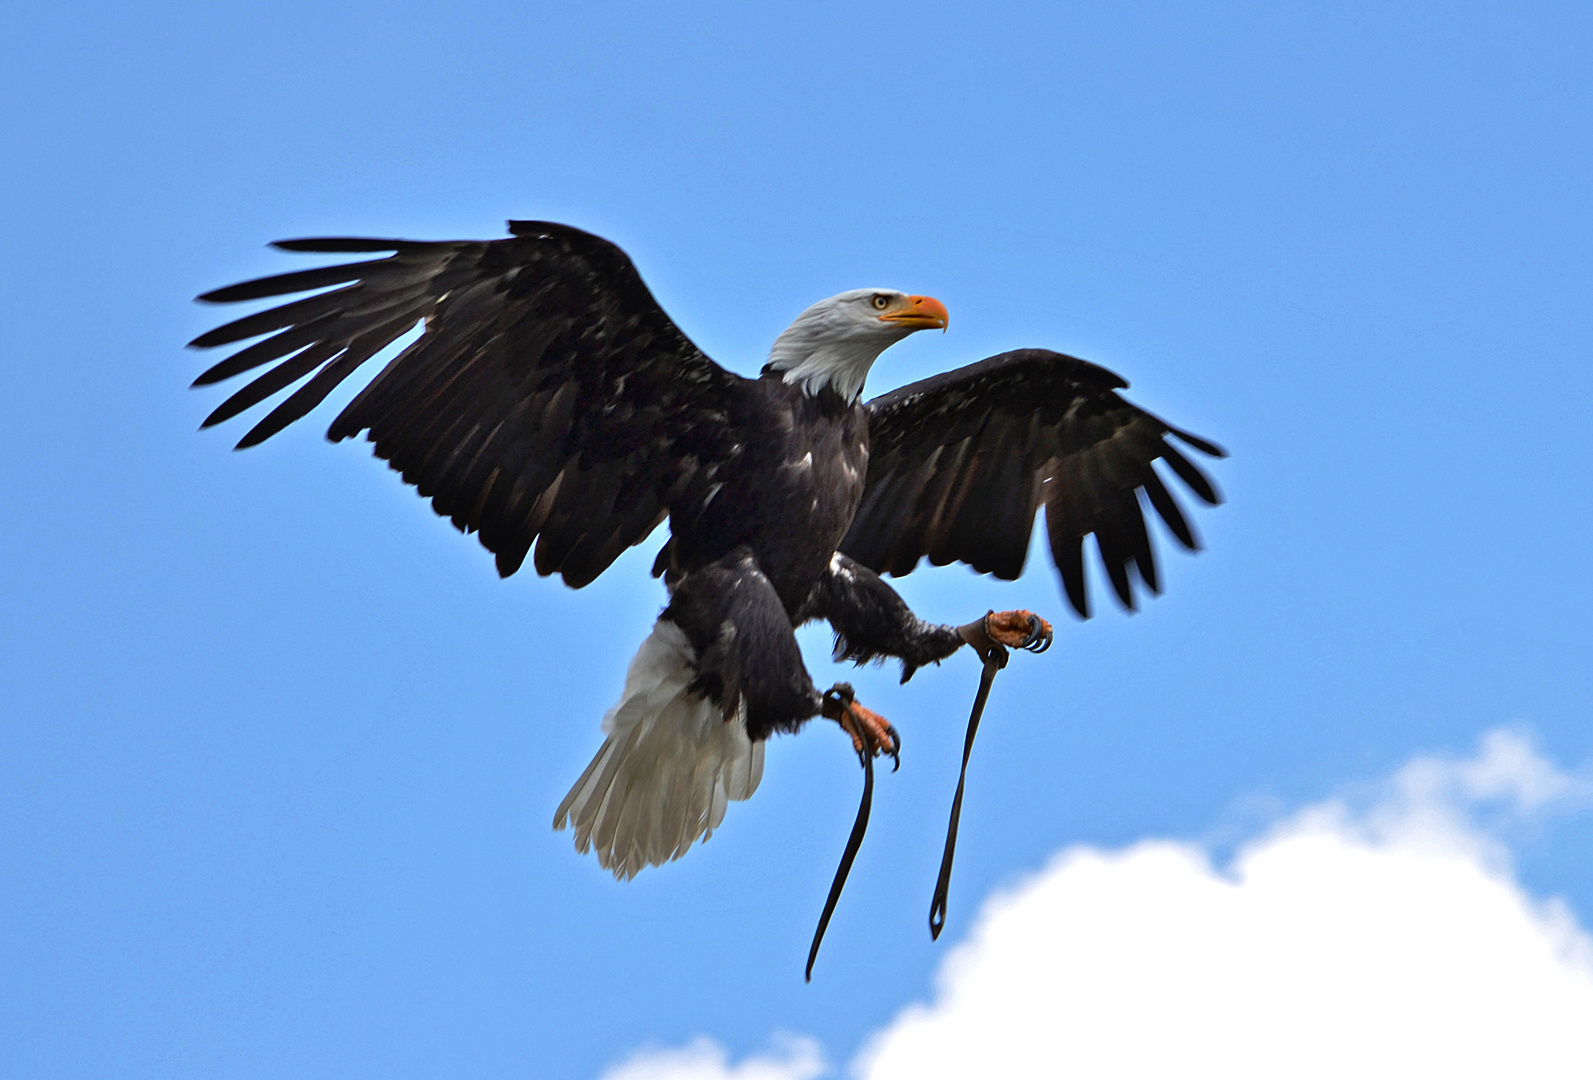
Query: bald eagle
x,y
550,401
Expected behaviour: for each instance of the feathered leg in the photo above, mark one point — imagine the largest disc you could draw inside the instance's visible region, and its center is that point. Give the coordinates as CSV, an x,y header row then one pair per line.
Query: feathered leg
x,y
871,621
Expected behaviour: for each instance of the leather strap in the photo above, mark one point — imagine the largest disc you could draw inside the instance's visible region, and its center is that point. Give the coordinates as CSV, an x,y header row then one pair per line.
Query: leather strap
x,y
839,700
995,657
838,704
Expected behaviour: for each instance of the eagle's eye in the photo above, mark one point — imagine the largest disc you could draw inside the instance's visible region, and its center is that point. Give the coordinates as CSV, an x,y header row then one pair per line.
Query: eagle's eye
x,y
881,301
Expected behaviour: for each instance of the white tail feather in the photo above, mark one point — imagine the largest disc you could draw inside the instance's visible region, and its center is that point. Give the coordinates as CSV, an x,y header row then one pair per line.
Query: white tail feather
x,y
669,767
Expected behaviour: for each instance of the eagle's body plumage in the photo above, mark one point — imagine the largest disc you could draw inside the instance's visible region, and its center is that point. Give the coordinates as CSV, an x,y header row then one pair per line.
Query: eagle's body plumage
x,y
551,404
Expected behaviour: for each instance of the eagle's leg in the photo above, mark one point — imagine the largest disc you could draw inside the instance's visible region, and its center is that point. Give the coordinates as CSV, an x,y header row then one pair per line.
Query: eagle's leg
x,y
718,675
872,622
747,659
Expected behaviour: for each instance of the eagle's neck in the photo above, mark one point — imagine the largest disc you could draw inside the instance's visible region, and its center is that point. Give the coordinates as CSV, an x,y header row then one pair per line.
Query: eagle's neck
x,y
816,361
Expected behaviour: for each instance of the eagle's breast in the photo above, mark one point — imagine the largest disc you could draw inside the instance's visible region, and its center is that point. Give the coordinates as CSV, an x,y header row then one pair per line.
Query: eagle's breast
x,y
810,487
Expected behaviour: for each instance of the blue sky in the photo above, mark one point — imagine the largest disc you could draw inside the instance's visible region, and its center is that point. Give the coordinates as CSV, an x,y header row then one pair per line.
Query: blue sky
x,y
280,750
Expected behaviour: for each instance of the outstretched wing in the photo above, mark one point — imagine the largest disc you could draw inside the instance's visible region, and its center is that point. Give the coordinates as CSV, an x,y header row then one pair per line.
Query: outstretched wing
x,y
959,463
549,396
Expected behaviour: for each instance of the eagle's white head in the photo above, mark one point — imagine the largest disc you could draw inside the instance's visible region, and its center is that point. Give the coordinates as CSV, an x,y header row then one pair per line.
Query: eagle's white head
x,y
835,342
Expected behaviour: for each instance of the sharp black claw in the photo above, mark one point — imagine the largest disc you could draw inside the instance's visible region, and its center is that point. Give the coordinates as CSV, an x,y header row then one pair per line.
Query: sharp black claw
x,y
896,746
1039,639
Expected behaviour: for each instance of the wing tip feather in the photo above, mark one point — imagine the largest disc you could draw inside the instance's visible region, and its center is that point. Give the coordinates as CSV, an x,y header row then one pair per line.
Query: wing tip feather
x,y
1205,446
342,245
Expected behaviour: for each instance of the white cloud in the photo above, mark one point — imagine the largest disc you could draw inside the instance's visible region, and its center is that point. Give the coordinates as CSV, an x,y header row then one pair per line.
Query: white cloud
x,y
1378,934
795,1058
1507,770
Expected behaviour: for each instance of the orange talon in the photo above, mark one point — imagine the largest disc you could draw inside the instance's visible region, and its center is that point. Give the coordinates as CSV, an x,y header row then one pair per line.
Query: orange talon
x,y
866,727
1017,630
876,730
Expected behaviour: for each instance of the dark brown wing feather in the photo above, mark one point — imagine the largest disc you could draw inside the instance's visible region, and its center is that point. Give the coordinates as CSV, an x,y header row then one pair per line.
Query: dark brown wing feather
x,y
959,464
549,396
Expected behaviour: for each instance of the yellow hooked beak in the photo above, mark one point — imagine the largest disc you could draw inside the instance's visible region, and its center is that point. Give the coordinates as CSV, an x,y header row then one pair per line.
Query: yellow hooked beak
x,y
918,313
